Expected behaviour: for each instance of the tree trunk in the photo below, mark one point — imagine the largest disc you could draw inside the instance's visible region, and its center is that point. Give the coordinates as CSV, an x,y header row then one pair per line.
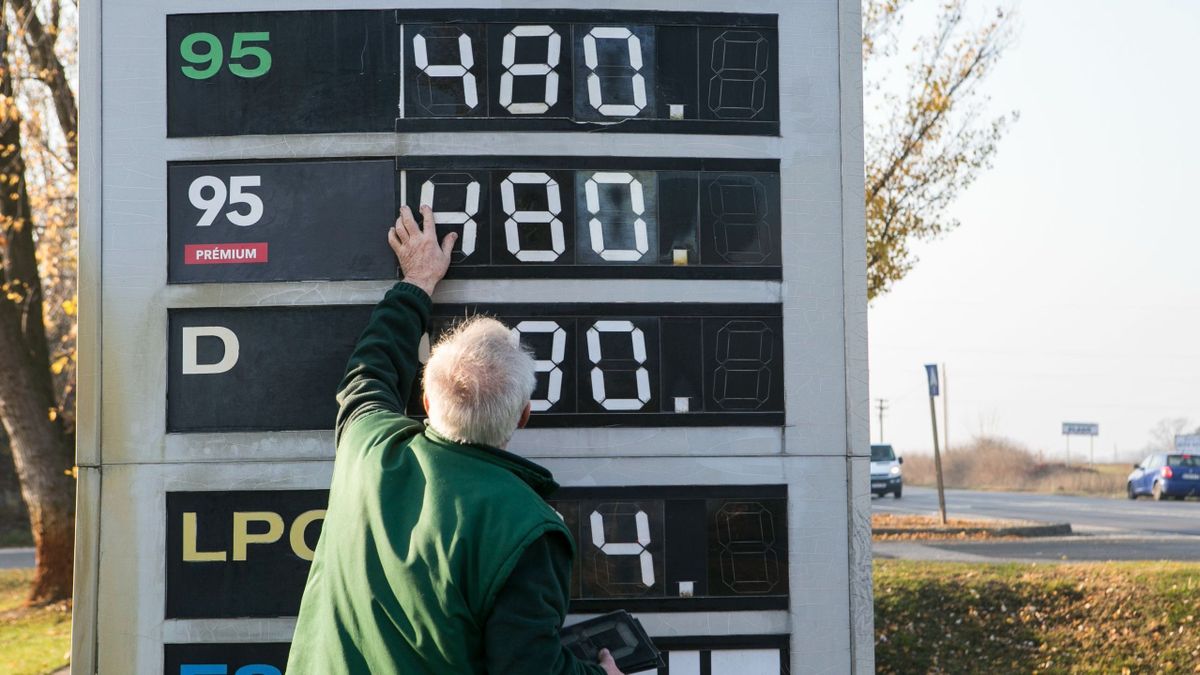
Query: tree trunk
x,y
41,451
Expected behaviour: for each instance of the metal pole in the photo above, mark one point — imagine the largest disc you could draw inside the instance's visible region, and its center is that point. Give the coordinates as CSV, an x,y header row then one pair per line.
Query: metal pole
x,y
1091,451
937,462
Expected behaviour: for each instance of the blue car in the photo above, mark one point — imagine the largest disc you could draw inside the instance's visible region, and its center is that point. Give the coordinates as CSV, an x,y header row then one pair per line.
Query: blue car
x,y
1166,475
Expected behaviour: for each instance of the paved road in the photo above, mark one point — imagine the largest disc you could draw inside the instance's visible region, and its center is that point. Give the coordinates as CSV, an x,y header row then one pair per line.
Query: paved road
x,y
1086,514
1108,529
16,557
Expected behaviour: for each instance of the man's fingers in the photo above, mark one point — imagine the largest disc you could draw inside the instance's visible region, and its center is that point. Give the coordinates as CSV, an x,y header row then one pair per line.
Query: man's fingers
x,y
394,240
407,226
448,243
428,220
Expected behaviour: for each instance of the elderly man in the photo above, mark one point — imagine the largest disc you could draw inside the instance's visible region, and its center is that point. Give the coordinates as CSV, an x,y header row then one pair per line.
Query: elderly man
x,y
439,554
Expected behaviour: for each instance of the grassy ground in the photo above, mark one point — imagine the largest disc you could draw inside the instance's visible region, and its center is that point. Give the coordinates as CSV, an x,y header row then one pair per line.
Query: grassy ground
x,y
929,618
32,641
1021,618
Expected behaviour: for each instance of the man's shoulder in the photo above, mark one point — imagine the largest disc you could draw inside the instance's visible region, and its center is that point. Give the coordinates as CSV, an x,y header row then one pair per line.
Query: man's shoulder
x,y
375,427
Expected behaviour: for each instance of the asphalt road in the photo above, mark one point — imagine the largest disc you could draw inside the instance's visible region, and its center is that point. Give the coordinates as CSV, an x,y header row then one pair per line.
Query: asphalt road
x,y
1107,529
16,557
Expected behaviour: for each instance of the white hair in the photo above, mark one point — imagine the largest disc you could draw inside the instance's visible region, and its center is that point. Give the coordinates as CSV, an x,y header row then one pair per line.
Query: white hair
x,y
477,382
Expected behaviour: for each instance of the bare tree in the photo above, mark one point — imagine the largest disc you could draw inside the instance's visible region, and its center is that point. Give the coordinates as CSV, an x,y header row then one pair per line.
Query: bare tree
x,y
36,236
927,143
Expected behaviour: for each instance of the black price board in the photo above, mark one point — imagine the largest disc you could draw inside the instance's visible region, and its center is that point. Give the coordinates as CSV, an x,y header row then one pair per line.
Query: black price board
x,y
282,73
677,548
643,548
280,221
230,658
640,365
480,70
685,655
516,217
241,553
570,70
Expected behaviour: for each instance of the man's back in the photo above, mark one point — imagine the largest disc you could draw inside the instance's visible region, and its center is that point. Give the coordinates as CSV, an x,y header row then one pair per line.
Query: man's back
x,y
425,532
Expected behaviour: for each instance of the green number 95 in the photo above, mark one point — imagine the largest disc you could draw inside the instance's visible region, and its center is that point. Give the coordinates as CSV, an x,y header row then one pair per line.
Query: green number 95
x,y
207,55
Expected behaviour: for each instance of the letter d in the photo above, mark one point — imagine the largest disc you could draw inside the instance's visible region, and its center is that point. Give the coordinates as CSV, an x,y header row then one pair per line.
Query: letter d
x,y
192,335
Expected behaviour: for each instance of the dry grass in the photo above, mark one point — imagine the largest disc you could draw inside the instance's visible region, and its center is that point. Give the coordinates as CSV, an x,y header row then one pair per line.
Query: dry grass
x,y
937,617
930,528
999,464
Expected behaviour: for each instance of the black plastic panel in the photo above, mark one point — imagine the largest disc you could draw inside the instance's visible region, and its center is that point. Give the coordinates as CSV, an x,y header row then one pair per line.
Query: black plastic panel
x,y
660,364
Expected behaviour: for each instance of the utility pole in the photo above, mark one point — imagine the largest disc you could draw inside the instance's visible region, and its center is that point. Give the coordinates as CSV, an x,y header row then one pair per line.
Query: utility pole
x,y
882,404
945,409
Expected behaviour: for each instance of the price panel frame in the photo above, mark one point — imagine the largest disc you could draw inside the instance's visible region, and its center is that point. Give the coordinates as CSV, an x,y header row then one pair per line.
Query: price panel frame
x,y
332,93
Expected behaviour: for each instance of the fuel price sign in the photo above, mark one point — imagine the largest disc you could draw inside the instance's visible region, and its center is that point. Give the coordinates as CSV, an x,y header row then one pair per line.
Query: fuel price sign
x,y
494,70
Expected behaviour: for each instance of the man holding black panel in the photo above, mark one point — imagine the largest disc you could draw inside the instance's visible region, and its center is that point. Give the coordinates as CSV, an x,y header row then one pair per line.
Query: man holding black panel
x,y
439,553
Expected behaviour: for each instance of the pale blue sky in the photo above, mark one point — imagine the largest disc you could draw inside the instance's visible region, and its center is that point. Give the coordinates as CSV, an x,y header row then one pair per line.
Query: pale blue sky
x,y
1071,292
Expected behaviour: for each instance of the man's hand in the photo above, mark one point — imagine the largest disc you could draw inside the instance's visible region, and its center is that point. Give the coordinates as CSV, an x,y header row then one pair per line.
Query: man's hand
x,y
422,260
607,663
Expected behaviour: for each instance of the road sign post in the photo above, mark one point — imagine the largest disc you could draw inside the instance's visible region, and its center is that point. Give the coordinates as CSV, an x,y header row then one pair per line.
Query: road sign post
x,y
931,374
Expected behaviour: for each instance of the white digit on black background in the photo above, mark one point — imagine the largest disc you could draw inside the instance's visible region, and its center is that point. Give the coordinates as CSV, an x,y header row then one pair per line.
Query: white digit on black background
x,y
592,60
235,194
512,237
466,217
637,548
596,226
558,347
513,69
462,69
639,354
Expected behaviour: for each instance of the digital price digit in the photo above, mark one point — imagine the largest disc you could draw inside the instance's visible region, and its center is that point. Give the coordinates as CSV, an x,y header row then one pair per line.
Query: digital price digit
x,y
213,57
465,216
613,74
596,226
518,218
462,71
641,375
220,196
512,69
558,347
614,549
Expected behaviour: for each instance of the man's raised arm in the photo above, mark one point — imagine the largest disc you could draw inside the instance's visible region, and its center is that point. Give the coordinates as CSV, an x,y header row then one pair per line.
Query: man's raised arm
x,y
384,363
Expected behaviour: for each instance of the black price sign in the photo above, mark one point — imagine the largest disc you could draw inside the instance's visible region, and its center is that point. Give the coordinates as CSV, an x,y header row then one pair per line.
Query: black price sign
x,y
240,554
485,70
646,364
686,548
516,217
644,548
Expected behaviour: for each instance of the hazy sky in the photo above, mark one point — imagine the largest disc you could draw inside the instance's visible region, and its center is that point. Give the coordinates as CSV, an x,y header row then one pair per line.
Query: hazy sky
x,y
1071,292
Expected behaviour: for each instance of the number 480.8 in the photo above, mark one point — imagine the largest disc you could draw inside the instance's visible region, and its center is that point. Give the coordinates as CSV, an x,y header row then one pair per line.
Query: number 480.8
x,y
208,62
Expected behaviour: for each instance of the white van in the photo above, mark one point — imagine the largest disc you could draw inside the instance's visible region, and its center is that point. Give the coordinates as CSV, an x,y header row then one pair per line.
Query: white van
x,y
885,471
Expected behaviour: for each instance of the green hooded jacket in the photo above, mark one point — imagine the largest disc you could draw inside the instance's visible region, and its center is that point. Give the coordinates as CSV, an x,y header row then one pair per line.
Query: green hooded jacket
x,y
435,557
